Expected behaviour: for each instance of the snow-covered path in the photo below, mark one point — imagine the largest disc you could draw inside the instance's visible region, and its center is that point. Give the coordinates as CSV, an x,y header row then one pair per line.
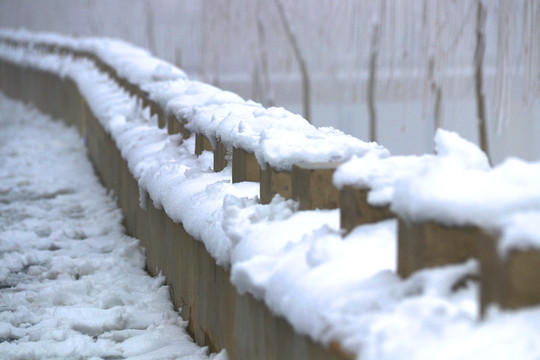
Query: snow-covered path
x,y
72,284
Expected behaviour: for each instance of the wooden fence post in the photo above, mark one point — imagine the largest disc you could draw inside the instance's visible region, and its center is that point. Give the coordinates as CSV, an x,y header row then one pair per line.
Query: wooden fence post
x,y
275,182
220,153
55,96
428,244
244,166
355,210
202,143
176,126
155,109
510,281
70,101
312,185
3,73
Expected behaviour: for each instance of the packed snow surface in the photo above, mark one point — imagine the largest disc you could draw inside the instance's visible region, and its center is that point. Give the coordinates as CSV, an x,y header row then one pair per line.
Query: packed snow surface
x,y
72,284
329,287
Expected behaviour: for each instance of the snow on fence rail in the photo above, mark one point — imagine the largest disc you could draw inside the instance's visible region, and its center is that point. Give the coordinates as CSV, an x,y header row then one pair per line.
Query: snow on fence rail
x,y
451,206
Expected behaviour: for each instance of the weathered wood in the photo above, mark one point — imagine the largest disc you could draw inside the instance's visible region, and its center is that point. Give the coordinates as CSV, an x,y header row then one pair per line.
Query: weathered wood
x,y
244,166
490,278
141,94
355,210
173,125
275,182
511,281
28,86
56,98
425,245
176,126
3,75
14,76
135,90
73,102
312,185
521,268
155,109
202,143
220,156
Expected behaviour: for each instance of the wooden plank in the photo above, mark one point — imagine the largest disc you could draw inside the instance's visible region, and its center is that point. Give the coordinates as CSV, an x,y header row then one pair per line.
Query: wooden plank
x,y
244,166
511,281
220,156
312,185
202,143
424,245
275,182
355,210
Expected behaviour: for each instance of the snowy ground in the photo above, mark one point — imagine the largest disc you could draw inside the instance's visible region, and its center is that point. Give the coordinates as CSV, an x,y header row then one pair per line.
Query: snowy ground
x,y
72,284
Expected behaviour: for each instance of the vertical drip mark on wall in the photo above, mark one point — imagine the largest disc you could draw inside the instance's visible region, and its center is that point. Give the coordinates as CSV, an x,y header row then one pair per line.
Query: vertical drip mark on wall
x,y
372,81
478,76
293,41
372,68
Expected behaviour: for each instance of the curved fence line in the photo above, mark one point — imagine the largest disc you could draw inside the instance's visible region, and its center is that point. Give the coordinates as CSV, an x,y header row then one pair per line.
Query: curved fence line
x,y
291,158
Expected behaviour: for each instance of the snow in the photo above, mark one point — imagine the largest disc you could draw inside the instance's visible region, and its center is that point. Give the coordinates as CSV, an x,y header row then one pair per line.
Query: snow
x,y
134,64
381,175
277,137
442,193
519,231
377,175
72,284
219,115
454,187
281,148
328,286
333,287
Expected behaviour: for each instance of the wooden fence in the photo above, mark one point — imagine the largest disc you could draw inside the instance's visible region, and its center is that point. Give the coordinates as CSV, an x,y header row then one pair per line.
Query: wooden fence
x,y
218,316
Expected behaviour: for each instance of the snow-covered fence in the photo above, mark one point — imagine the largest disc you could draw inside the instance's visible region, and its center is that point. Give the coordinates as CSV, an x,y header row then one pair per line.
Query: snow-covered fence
x,y
510,262
450,213
218,315
355,209
371,189
256,137
451,207
312,186
442,200
429,244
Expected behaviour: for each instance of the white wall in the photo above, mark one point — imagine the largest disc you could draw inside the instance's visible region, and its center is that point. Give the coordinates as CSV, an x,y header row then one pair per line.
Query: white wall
x,y
228,43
